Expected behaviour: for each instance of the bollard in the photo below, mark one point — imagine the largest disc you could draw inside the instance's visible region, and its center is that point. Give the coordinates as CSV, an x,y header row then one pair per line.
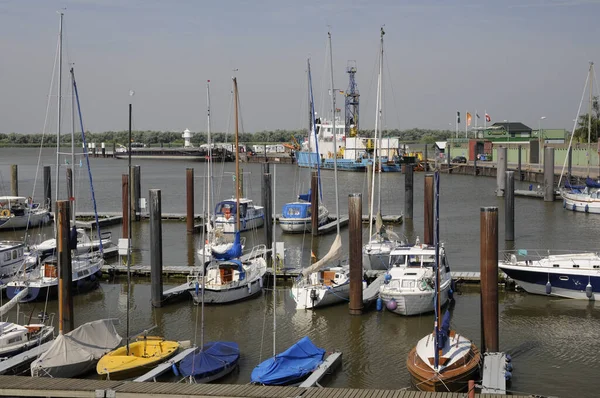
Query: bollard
x,y
428,210
408,191
65,281
549,174
189,189
509,207
125,205
14,180
156,259
489,278
355,253
47,188
314,203
500,171
267,202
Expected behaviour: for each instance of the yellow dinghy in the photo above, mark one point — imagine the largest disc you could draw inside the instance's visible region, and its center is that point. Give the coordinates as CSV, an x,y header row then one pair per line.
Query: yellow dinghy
x,y
144,354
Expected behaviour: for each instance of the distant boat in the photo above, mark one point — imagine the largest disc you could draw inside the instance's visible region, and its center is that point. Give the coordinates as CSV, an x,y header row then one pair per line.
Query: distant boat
x,y
250,215
17,212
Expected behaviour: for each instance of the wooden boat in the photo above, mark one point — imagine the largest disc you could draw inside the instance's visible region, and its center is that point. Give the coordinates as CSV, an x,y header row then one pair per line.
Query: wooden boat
x,y
144,354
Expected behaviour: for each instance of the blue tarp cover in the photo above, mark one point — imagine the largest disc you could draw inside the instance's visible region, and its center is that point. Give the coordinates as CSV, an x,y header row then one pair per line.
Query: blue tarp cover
x,y
592,183
295,210
290,366
234,251
214,357
305,196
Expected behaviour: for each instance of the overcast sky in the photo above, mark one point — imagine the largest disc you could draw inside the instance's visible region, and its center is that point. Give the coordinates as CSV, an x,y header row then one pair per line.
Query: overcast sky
x,y
517,59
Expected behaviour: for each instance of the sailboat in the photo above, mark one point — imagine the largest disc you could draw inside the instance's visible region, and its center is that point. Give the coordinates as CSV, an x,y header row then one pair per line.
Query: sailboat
x,y
443,360
146,352
376,253
322,283
298,361
232,280
20,212
296,217
583,198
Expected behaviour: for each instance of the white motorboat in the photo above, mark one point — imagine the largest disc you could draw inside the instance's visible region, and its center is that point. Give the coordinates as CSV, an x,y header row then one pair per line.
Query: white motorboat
x,y
18,212
84,243
251,216
377,252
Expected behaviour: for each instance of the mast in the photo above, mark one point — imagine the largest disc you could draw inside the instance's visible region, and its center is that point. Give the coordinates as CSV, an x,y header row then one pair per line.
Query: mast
x,y
274,262
208,206
380,101
377,143
207,194
237,158
59,108
72,200
129,226
436,243
590,121
313,129
337,197
311,113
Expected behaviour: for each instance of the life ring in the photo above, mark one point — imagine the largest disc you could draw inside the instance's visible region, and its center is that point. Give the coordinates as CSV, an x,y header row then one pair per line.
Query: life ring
x,y
5,213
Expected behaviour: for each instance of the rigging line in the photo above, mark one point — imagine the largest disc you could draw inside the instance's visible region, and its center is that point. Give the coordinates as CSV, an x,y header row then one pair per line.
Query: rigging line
x,y
323,81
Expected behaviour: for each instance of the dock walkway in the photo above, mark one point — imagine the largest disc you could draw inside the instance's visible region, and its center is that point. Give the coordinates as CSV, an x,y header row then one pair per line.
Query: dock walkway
x,y
20,386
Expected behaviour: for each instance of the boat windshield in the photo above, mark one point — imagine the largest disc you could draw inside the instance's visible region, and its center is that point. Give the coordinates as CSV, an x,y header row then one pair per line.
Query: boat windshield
x,y
397,260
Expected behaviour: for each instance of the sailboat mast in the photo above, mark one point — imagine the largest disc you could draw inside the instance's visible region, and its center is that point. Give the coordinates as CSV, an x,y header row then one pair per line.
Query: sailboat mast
x,y
204,198
337,197
436,243
72,182
129,227
310,106
589,154
237,158
313,129
59,108
274,263
379,145
208,206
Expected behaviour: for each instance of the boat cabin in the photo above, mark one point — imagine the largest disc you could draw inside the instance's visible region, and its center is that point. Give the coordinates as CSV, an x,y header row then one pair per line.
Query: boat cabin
x,y
296,210
225,272
15,205
228,208
11,256
328,277
417,256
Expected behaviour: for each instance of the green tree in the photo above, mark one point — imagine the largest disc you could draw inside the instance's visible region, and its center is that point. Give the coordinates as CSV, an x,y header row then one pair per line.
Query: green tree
x,y
581,132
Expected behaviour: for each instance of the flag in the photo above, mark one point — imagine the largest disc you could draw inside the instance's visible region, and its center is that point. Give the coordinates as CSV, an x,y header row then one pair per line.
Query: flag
x,y
457,117
468,119
477,114
488,118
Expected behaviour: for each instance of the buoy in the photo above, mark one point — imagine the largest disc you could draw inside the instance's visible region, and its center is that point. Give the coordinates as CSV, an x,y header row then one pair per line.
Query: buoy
x,y
379,304
574,207
507,375
587,208
197,288
387,278
508,367
391,305
564,204
175,370
588,291
508,358
548,288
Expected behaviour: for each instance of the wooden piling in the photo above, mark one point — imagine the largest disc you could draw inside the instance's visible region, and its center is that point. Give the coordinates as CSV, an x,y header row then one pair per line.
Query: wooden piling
x,y
135,192
125,205
448,157
471,390
500,172
408,191
14,180
267,202
314,203
489,279
509,207
103,148
156,258
48,188
549,174
94,153
69,182
114,151
189,188
428,210
355,253
65,278
519,167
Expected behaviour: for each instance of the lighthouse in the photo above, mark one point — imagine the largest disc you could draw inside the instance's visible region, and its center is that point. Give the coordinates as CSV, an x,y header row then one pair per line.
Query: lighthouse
x,y
187,136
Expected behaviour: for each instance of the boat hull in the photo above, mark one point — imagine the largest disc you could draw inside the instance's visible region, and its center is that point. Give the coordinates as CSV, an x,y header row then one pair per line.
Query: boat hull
x,y
324,296
300,225
19,222
232,295
248,224
413,303
39,293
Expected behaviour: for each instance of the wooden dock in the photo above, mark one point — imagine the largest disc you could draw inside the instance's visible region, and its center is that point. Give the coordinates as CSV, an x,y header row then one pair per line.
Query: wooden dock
x,y
20,386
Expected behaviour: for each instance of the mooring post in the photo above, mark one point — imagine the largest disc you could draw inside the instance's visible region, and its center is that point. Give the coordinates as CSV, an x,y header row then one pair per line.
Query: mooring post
x,y
355,253
14,180
409,177
448,158
428,210
47,188
156,258
94,153
103,147
426,163
475,173
135,192
314,203
570,164
189,189
65,310
369,182
500,171
114,151
489,278
125,205
471,390
509,206
549,174
69,182
519,167
267,202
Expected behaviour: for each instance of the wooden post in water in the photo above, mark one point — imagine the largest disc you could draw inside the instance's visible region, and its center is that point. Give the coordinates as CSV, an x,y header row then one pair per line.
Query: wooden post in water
x,y
125,205
500,171
369,183
314,203
114,151
570,164
65,298
408,191
519,167
428,210
267,202
189,189
448,158
135,192
47,188
489,278
509,207
427,167
14,180
156,258
355,252
549,174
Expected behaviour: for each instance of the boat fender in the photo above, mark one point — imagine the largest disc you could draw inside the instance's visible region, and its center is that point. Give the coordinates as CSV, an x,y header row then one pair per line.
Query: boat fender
x,y
587,208
175,370
249,288
508,367
564,204
387,278
588,291
92,277
508,358
260,282
574,207
450,294
391,305
548,288
507,375
197,288
379,304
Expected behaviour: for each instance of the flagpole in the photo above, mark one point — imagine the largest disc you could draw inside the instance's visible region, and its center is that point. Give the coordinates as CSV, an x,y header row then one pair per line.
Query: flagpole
x,y
476,117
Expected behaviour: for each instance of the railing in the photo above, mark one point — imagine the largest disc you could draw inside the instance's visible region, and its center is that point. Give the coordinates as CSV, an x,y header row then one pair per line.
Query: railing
x,y
534,254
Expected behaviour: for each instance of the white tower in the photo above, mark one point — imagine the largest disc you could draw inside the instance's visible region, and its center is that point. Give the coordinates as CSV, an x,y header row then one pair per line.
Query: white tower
x,y
187,135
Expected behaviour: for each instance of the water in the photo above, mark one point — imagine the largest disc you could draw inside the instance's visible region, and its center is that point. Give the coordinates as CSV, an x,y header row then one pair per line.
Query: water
x,y
553,341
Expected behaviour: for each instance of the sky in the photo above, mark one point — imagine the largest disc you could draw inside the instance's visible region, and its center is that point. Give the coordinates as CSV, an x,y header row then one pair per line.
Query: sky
x,y
518,60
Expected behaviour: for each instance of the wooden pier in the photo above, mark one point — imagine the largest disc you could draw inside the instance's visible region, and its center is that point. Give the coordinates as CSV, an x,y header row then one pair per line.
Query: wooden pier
x,y
20,386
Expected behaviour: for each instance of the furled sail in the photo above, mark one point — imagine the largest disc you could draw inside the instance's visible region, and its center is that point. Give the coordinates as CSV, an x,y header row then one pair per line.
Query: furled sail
x,y
335,252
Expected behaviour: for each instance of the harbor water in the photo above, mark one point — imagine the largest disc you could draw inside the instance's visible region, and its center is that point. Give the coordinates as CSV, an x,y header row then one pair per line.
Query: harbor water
x,y
553,341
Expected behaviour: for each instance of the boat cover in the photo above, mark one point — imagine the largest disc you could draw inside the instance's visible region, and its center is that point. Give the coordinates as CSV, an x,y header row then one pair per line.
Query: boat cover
x,y
295,210
591,183
577,188
233,251
305,196
290,366
444,332
214,358
83,345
